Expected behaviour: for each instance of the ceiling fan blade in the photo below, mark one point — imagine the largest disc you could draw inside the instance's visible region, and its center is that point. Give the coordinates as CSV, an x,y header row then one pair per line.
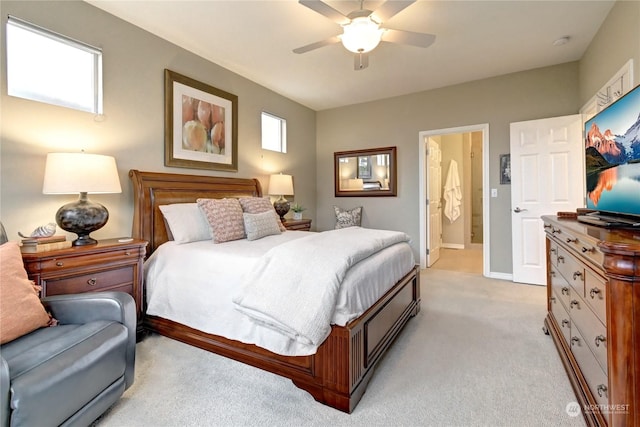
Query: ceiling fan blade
x,y
408,37
360,61
316,45
391,8
325,10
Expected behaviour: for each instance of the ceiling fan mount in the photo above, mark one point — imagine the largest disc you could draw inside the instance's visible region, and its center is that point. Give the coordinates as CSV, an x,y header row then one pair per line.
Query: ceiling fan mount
x,y
363,31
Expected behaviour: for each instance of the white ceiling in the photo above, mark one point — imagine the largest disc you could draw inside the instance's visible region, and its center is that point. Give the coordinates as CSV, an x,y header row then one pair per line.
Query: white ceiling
x,y
475,40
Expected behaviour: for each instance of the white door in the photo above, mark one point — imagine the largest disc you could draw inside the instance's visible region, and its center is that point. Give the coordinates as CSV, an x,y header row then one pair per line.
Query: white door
x,y
434,201
547,175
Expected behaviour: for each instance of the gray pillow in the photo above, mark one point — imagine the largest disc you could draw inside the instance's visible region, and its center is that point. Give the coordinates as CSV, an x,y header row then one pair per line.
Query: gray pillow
x,y
348,218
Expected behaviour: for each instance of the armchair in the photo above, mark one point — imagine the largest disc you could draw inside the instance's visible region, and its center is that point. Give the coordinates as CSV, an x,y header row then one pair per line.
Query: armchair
x,y
71,373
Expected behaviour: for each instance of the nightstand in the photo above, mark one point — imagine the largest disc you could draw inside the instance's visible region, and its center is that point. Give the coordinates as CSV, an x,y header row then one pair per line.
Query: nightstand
x,y
108,266
297,224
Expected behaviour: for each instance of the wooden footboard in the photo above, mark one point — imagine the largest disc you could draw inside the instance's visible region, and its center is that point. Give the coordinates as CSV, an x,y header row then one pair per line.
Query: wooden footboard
x,y
338,374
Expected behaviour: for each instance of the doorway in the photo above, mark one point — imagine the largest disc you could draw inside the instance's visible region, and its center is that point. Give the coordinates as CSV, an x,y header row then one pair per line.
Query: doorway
x,y
468,148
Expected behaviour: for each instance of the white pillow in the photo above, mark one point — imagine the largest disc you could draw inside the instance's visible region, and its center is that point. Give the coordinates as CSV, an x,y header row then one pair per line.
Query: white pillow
x,y
260,225
186,222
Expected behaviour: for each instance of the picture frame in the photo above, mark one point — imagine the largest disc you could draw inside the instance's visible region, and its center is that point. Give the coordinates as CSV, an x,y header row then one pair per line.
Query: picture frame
x,y
201,125
505,168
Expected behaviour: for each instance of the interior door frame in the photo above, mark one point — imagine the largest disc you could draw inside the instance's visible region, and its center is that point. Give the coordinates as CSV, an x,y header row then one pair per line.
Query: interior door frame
x,y
422,179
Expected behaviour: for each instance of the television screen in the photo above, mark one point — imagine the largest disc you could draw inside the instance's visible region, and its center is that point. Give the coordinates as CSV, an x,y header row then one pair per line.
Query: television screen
x,y
612,157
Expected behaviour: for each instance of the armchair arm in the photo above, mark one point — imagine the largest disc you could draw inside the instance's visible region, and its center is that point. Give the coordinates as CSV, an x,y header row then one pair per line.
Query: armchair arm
x,y
5,390
91,306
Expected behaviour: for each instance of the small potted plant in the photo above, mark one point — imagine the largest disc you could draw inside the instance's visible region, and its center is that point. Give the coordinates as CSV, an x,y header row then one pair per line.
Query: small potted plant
x,y
297,210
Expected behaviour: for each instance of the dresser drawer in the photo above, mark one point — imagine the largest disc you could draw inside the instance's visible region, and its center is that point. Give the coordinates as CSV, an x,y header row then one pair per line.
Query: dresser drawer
x,y
92,282
553,253
561,287
72,262
562,317
596,294
571,269
594,375
591,329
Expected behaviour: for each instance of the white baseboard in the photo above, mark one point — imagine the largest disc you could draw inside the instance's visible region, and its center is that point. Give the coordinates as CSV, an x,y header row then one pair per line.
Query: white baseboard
x,y
452,246
500,276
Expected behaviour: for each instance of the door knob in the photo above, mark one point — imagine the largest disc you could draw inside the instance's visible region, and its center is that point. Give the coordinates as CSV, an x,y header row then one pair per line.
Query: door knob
x,y
518,210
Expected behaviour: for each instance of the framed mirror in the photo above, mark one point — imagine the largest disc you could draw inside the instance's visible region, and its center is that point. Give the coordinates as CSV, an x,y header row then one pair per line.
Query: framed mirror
x,y
365,173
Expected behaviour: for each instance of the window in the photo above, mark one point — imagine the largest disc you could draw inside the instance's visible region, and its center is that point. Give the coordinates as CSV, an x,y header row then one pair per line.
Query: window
x,y
274,133
48,67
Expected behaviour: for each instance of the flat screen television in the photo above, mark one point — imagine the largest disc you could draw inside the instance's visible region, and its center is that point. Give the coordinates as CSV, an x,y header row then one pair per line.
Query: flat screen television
x,y
612,164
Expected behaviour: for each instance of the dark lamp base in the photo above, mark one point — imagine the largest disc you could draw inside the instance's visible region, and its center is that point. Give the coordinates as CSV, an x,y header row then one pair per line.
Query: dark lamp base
x,y
82,217
281,206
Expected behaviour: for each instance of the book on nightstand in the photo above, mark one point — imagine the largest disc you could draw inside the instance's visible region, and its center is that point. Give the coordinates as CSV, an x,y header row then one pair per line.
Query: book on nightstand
x,y
44,244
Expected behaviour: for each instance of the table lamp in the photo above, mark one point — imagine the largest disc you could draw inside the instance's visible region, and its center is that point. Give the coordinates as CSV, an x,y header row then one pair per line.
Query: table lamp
x,y
279,185
70,173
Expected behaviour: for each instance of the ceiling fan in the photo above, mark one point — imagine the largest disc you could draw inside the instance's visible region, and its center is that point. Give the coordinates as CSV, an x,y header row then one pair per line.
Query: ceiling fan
x,y
362,30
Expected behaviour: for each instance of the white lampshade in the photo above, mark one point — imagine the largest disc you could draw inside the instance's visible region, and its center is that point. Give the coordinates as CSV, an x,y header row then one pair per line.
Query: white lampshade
x,y
361,35
280,185
72,173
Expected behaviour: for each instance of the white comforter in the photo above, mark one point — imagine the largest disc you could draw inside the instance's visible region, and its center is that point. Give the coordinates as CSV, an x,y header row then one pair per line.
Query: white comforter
x,y
293,288
193,284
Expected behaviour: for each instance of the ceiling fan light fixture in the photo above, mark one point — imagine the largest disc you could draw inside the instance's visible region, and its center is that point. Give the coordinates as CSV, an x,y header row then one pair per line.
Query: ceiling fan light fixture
x,y
361,35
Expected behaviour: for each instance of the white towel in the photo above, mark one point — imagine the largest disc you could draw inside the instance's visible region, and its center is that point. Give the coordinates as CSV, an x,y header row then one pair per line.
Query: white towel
x,y
452,193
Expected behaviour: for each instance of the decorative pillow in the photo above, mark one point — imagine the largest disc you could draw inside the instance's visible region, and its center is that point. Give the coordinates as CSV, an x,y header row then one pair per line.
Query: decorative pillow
x,y
348,218
254,205
260,225
225,218
185,222
20,308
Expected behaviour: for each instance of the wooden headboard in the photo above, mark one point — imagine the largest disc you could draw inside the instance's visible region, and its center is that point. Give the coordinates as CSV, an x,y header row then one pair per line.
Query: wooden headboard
x,y
153,189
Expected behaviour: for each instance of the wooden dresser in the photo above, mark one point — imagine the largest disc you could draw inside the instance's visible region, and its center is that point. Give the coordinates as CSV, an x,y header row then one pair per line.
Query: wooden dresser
x,y
593,293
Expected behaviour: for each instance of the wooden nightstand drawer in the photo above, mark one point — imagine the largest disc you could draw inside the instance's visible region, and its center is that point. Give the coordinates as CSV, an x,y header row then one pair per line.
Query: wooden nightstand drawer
x,y
298,224
92,282
72,262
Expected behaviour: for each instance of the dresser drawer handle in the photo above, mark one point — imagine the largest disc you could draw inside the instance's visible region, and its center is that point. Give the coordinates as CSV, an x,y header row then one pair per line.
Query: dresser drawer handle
x,y
556,230
602,390
577,274
565,290
552,273
593,292
92,281
565,322
575,340
127,253
561,259
552,299
574,302
553,250
570,240
59,263
600,339
585,249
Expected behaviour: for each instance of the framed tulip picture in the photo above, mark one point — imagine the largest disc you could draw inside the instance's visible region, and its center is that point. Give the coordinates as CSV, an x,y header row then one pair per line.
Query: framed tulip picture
x,y
201,125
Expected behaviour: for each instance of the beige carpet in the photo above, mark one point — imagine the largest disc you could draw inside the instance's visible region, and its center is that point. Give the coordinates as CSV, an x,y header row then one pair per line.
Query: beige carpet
x,y
474,356
462,260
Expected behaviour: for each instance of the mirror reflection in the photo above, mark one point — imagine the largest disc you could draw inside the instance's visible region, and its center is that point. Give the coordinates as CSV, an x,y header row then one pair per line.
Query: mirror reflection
x,y
368,172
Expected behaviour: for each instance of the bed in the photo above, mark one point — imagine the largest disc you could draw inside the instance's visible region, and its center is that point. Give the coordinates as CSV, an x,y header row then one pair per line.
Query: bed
x,y
337,374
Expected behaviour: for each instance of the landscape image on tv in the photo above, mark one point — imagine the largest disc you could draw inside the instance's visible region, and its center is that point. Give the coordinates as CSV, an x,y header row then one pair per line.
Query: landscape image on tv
x,y
612,157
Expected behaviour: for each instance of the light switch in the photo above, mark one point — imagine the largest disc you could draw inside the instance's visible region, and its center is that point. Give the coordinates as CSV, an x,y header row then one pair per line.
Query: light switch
x,y
494,192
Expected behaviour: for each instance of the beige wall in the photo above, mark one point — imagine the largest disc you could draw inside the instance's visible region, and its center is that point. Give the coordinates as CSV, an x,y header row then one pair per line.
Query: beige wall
x,y
498,101
133,126
617,41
